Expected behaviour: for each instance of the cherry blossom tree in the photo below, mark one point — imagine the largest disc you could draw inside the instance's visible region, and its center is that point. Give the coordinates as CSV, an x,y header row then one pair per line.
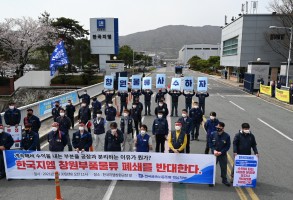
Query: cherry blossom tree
x,y
20,37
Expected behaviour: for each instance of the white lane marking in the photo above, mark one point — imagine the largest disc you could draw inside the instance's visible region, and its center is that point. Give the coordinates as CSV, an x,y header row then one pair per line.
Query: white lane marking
x,y
237,105
44,145
276,130
109,192
221,95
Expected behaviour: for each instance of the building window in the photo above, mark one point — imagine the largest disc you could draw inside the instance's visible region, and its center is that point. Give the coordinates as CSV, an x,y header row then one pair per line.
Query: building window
x,y
214,49
206,48
230,47
189,48
197,48
277,36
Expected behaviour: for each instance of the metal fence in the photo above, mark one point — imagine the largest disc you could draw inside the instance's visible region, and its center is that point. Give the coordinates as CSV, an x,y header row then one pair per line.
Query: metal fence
x,y
248,82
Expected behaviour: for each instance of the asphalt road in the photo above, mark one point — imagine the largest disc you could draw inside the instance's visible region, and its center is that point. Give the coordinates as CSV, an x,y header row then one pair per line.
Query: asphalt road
x,y
271,125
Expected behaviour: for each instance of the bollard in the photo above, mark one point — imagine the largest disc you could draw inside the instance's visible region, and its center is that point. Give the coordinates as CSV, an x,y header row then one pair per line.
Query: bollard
x,y
91,148
57,184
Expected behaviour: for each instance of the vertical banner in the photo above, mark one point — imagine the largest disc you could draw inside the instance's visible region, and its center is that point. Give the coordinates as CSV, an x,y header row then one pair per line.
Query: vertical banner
x,y
15,132
161,81
109,82
176,84
202,84
147,83
188,83
136,82
123,84
245,171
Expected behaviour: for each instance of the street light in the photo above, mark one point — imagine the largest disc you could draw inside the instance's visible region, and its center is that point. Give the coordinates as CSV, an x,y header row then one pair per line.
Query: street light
x,y
80,35
290,46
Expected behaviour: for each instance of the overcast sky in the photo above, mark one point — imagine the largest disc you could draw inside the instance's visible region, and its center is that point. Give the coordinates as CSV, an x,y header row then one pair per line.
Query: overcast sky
x,y
134,15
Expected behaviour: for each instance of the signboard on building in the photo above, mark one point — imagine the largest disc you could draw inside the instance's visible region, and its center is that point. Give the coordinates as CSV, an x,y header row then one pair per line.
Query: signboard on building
x,y
113,66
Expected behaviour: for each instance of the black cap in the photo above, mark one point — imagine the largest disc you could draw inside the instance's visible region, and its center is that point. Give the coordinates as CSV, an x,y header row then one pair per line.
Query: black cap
x,y
28,125
29,109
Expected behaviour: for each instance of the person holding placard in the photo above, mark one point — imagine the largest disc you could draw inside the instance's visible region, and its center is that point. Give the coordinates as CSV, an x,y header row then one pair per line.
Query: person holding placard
x,y
135,94
160,95
147,101
123,100
175,96
108,96
85,97
201,100
188,99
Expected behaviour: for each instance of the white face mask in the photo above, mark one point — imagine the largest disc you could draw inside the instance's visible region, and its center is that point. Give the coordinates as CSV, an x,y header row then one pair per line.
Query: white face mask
x,y
160,116
84,92
110,105
246,131
160,104
177,128
125,114
11,107
183,115
133,106
1,130
195,106
142,132
83,105
81,128
99,115
62,114
212,117
54,129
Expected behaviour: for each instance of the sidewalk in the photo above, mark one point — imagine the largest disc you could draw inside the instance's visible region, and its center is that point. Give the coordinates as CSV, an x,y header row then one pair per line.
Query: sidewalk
x,y
262,96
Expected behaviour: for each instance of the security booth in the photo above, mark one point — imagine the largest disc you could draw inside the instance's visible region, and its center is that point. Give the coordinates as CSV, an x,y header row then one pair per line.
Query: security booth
x,y
283,73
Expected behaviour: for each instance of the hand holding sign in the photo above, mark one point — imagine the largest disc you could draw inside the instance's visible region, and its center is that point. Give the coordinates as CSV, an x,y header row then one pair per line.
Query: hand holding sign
x,y
202,84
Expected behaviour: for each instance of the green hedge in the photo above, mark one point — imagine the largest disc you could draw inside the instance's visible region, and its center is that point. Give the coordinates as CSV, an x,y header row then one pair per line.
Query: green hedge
x,y
76,80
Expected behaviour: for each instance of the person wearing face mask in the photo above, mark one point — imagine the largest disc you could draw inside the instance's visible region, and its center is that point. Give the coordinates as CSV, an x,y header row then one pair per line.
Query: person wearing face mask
x,y
99,130
12,115
188,99
82,139
135,115
6,142
201,100
108,96
147,101
143,141
56,138
177,140
85,97
186,127
210,126
34,121
195,114
140,108
56,110
113,139
175,94
64,126
162,109
70,110
123,101
243,142
135,94
110,113
84,115
291,93
220,142
160,95
126,125
160,129
30,139
96,105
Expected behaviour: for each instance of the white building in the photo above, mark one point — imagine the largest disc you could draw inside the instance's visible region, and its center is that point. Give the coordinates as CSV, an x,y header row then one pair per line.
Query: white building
x,y
204,51
246,39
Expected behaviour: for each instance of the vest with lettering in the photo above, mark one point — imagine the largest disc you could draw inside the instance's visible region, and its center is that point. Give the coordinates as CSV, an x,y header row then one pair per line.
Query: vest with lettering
x,y
142,143
177,143
27,140
55,143
99,126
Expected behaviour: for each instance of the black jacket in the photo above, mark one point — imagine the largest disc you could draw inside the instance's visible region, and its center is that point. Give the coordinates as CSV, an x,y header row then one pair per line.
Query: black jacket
x,y
6,140
34,121
219,142
70,110
201,97
83,141
12,117
123,96
84,114
175,96
113,143
29,141
243,143
64,124
147,95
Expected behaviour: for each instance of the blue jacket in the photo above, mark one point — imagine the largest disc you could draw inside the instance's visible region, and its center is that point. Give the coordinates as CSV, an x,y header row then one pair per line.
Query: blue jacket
x,y
57,140
196,115
96,105
142,143
83,141
12,117
210,126
6,140
29,141
99,127
186,124
110,113
160,126
34,121
219,142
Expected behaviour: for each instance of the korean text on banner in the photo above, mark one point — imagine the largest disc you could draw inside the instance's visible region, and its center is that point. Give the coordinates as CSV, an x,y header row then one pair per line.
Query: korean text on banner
x,y
147,83
47,106
265,89
245,171
136,82
283,95
202,84
15,132
176,84
109,82
122,84
188,83
161,81
182,168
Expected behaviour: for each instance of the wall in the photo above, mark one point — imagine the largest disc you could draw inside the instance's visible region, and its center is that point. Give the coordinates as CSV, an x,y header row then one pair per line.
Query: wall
x,y
7,89
34,79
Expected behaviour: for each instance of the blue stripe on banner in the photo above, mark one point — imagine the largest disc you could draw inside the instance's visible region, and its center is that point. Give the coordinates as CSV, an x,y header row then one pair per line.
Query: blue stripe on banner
x,y
206,177
116,36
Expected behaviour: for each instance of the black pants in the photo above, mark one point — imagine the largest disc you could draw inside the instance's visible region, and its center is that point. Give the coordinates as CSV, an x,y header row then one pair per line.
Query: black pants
x,y
2,166
147,105
222,159
160,141
39,144
207,149
202,107
174,106
195,126
291,98
187,148
68,142
188,106
72,121
136,123
123,106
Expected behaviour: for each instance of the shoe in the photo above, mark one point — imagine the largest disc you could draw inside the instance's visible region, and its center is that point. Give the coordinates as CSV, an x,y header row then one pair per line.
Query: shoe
x,y
211,185
2,176
196,139
150,114
226,183
231,181
176,115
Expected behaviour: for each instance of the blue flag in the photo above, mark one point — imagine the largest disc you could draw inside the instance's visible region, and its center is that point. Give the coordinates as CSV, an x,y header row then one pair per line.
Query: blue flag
x,y
58,58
